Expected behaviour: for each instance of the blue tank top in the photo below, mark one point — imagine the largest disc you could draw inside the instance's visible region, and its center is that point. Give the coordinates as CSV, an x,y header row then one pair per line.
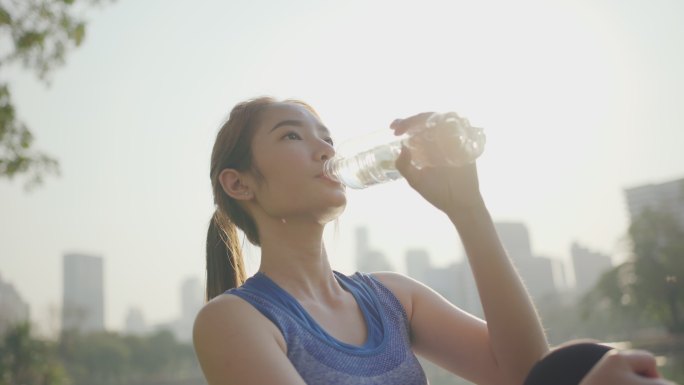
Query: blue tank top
x,y
386,356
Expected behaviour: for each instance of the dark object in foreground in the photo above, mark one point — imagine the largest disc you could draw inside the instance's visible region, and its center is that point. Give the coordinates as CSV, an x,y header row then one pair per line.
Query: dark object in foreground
x,y
566,365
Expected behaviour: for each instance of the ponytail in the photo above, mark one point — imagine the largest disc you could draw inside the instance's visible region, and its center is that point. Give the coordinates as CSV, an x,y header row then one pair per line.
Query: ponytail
x,y
225,264
233,149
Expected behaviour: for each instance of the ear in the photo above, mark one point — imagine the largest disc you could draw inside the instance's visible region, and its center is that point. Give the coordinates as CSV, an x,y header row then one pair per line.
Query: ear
x,y
234,184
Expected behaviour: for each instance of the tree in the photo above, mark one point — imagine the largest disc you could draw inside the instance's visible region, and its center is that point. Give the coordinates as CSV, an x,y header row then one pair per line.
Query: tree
x,y
39,33
650,284
109,358
95,358
26,360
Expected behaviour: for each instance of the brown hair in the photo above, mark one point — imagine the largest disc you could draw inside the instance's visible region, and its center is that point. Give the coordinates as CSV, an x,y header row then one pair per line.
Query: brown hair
x,y
233,149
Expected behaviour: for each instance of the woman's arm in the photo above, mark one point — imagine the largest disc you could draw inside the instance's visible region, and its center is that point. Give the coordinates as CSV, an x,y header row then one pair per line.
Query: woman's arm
x,y
235,344
445,334
514,332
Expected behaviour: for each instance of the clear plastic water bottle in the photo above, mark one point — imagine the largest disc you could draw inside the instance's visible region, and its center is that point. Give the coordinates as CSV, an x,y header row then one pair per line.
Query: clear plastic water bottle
x,y
446,140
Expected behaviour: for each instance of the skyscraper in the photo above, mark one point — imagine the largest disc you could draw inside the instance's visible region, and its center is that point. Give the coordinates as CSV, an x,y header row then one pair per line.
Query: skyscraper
x,y
368,260
192,299
668,196
455,282
13,309
589,266
135,322
83,293
536,272
418,264
515,239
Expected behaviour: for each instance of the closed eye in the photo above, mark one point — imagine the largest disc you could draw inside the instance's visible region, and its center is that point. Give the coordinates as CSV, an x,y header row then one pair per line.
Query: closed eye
x,y
330,140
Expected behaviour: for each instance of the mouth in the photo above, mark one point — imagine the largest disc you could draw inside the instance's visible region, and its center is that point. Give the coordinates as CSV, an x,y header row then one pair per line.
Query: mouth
x,y
327,178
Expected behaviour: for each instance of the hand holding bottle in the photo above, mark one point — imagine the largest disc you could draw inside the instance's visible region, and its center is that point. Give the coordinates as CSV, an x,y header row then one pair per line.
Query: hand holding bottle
x,y
434,140
450,188
441,139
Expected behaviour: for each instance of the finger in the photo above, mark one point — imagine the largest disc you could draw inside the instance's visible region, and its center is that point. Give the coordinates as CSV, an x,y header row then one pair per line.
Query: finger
x,y
657,381
404,166
401,126
641,362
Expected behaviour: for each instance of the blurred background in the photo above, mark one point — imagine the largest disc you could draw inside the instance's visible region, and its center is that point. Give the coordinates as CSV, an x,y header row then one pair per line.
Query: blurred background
x,y
109,110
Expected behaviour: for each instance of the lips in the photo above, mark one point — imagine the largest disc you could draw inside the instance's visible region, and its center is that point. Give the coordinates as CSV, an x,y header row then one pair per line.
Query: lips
x,y
327,178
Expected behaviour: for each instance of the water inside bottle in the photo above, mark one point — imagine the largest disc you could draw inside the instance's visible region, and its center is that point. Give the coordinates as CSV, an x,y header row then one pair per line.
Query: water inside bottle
x,y
373,166
447,140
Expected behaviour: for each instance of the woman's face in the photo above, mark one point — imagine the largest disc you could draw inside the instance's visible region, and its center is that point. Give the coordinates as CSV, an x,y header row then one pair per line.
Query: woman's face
x,y
289,148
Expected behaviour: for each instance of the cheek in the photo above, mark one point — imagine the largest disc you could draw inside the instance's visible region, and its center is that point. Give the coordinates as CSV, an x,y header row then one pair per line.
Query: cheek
x,y
283,168
283,177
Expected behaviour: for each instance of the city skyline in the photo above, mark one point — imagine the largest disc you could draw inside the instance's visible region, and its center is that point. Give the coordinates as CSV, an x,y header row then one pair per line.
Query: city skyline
x,y
579,101
83,276
585,262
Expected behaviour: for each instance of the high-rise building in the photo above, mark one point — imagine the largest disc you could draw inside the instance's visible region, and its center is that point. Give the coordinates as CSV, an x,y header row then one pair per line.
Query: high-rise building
x,y
515,239
668,196
135,322
560,274
538,275
13,309
589,266
368,260
417,264
83,293
536,272
192,299
454,282
362,244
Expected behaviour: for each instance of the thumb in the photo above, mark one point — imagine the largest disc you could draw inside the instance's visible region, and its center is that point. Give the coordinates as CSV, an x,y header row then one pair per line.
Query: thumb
x,y
642,363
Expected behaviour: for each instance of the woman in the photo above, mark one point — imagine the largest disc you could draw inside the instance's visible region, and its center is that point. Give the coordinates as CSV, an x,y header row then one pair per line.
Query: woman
x,y
297,321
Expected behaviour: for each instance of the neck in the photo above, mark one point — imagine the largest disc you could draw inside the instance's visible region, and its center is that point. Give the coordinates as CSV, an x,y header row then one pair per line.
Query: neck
x,y
294,256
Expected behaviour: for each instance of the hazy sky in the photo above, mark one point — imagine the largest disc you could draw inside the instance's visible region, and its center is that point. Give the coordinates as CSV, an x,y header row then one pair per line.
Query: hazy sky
x,y
579,100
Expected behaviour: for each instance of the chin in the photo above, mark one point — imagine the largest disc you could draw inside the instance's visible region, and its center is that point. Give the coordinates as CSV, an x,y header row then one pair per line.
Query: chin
x,y
333,212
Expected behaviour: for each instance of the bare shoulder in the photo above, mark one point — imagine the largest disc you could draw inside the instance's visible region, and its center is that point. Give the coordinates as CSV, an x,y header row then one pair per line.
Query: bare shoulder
x,y
402,286
228,315
228,336
397,282
225,309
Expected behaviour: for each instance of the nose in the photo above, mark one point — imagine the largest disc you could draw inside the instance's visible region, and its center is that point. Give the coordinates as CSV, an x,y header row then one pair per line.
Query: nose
x,y
325,150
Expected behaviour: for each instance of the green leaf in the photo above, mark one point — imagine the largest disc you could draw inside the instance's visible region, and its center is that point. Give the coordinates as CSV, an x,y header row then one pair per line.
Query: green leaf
x,y
42,32
78,34
29,39
5,17
26,139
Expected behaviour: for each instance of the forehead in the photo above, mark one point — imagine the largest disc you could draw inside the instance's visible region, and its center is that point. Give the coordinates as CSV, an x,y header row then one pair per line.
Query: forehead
x,y
276,113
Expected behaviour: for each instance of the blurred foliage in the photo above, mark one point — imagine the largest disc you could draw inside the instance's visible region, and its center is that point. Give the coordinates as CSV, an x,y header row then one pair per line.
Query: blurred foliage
x,y
640,302
16,153
109,358
565,318
27,360
102,358
37,34
649,286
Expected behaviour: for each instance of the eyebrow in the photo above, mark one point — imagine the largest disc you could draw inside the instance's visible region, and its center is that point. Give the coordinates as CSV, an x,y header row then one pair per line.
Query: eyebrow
x,y
298,123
